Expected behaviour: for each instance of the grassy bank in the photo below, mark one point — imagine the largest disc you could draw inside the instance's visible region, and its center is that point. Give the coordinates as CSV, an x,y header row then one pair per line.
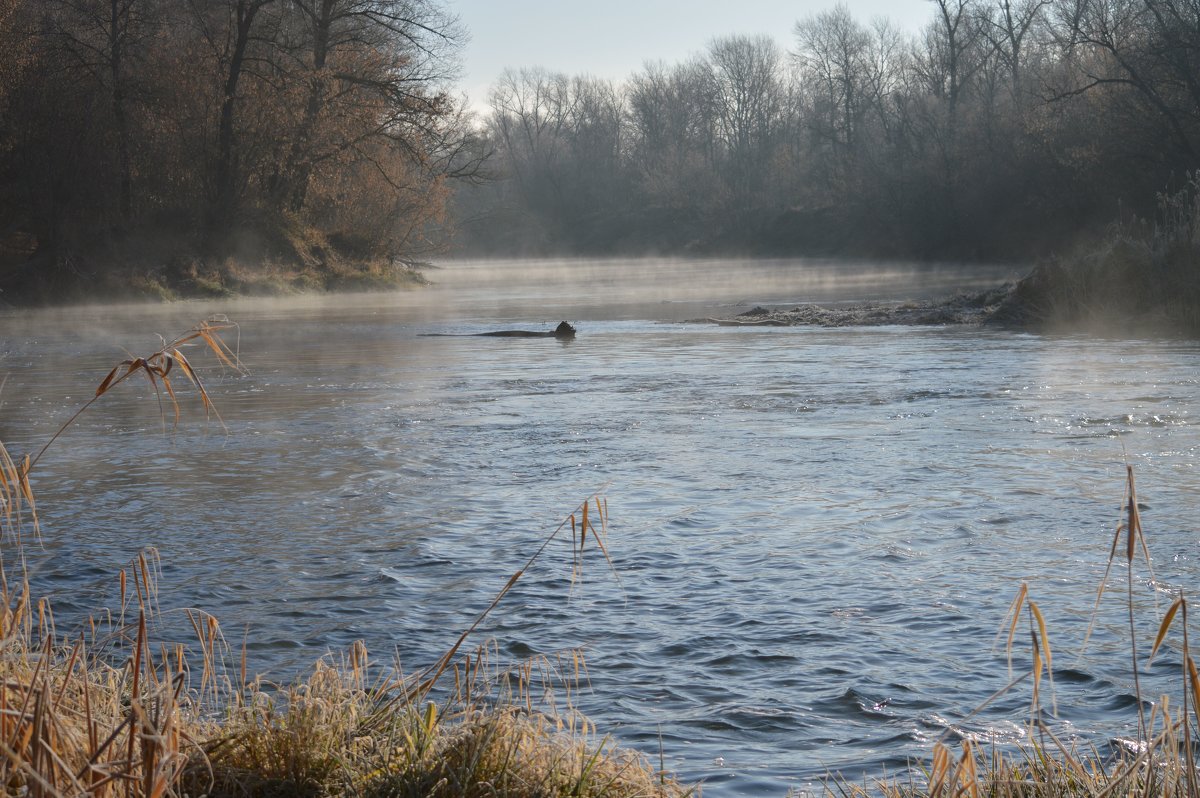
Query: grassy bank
x,y
113,712
264,254
1143,278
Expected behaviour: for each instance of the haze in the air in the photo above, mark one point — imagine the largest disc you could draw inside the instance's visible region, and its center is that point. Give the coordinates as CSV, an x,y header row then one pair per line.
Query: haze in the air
x,y
613,39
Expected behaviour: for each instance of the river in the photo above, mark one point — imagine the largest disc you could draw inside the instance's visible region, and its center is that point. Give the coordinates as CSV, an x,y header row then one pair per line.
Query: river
x,y
815,532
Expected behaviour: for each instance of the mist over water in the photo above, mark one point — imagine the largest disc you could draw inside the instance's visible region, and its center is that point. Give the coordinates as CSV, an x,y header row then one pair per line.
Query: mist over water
x,y
817,532
677,289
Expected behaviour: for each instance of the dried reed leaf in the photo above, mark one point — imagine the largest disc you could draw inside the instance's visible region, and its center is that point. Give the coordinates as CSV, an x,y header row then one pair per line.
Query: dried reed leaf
x,y
1163,628
1011,617
166,381
1037,667
599,538
1046,652
1194,678
223,353
1112,554
108,381
1041,623
968,777
1133,524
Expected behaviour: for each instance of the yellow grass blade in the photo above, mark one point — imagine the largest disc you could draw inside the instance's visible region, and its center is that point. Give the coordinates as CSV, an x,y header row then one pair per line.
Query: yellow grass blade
x,y
1134,523
1163,628
1112,554
599,538
209,335
166,381
108,381
1037,667
939,770
968,777
1045,648
1011,617
1041,623
1194,678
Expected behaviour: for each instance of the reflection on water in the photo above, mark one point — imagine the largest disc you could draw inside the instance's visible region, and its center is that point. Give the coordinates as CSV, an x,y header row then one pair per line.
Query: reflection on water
x,y
817,532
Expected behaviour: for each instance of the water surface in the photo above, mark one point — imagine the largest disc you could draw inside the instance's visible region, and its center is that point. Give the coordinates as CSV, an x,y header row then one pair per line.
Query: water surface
x,y
816,532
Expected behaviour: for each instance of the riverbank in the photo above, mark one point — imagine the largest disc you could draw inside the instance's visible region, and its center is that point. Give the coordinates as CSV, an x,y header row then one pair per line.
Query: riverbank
x,y
263,256
1060,296
120,710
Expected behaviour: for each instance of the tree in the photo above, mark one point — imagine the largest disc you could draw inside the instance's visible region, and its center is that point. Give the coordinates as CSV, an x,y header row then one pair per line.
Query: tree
x,y
1149,47
849,71
531,111
229,29
374,69
1007,27
747,95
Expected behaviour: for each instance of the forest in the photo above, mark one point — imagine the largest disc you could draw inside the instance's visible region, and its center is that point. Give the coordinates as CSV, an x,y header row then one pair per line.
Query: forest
x,y
1006,130
146,144
181,144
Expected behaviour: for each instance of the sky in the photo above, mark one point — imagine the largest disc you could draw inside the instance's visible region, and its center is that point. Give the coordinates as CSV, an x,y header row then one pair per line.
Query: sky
x,y
614,38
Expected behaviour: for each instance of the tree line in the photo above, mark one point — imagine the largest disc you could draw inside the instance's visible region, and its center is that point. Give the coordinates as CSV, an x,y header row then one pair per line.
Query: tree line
x,y
1005,128
224,128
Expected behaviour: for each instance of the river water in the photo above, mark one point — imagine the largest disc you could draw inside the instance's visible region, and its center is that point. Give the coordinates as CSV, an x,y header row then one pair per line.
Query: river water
x,y
815,532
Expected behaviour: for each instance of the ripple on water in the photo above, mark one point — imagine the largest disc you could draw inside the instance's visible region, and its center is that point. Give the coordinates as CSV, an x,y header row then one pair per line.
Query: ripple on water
x,y
816,533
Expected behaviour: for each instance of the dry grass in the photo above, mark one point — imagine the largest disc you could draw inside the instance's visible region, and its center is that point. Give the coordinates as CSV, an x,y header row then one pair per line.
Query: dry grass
x,y
112,713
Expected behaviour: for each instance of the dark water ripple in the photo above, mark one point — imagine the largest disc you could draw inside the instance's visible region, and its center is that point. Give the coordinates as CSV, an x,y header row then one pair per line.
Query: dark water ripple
x,y
816,533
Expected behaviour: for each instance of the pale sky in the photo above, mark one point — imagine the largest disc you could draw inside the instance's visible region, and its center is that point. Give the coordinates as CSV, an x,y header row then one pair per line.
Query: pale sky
x,y
613,38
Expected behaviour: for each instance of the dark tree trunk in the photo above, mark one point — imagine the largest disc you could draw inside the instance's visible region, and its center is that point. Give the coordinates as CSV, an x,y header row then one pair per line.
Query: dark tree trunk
x,y
300,161
225,172
120,118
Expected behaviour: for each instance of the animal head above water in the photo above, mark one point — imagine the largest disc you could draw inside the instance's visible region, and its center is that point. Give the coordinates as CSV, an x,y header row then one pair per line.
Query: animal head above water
x,y
564,330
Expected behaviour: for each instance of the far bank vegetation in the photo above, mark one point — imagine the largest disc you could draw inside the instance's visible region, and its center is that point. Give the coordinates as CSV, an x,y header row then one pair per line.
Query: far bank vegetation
x,y
1001,130
210,146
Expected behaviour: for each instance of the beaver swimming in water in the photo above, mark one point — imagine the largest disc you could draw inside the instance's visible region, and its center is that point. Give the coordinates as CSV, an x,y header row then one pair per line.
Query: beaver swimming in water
x,y
563,331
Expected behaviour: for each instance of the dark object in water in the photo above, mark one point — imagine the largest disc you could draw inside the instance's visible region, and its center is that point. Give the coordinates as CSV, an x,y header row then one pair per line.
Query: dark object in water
x,y
563,331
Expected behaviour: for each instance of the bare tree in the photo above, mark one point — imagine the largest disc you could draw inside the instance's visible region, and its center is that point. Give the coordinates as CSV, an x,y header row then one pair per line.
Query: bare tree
x,y
531,112
372,69
1150,47
955,50
103,43
1007,27
833,52
747,92
235,38
673,135
849,71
